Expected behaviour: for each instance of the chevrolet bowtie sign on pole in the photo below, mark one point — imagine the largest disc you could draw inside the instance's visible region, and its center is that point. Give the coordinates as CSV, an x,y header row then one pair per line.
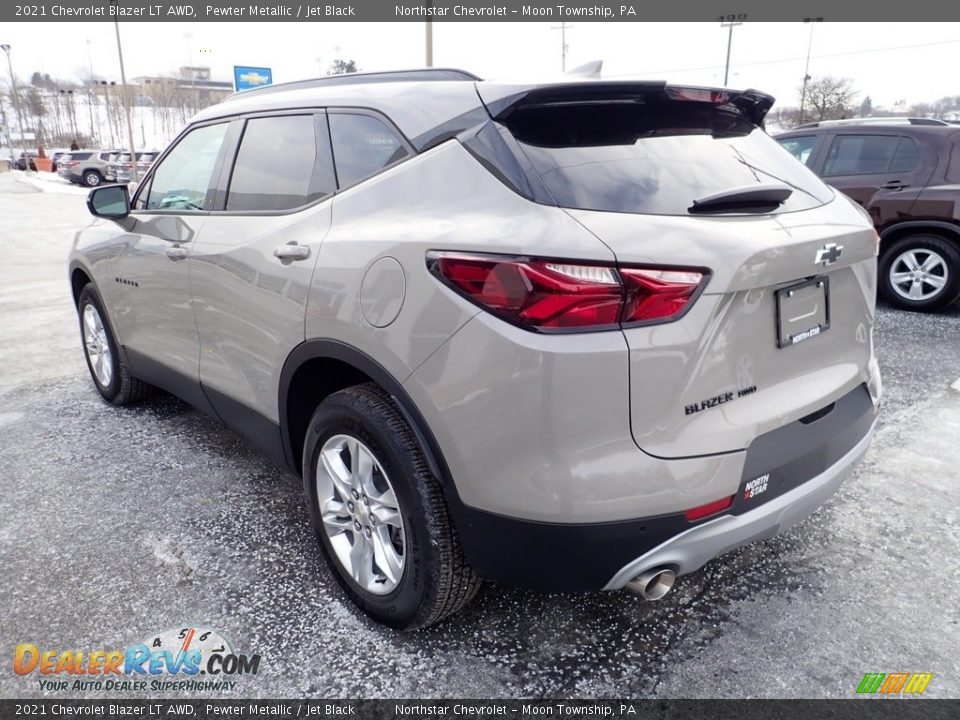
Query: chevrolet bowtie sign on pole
x,y
247,78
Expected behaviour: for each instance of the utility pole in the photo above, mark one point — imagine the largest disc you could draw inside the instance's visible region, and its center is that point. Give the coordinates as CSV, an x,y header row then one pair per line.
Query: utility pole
x,y
806,69
730,21
126,101
91,94
16,107
562,27
3,122
428,36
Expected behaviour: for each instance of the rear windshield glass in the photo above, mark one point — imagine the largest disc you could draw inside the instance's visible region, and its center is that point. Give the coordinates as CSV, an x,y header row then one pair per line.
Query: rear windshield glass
x,y
654,156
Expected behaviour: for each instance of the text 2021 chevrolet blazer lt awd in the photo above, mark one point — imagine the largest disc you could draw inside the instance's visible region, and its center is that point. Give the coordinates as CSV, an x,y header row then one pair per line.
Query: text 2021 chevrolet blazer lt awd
x,y
574,336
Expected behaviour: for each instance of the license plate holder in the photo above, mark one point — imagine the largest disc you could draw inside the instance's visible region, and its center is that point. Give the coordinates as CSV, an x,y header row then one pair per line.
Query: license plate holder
x,y
803,311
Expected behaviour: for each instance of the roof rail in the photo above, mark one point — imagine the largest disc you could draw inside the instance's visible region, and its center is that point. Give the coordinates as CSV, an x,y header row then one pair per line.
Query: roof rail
x,y
874,121
418,75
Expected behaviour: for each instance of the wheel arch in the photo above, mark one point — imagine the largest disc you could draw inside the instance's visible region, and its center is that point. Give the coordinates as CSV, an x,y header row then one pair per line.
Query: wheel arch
x,y
79,277
317,368
940,228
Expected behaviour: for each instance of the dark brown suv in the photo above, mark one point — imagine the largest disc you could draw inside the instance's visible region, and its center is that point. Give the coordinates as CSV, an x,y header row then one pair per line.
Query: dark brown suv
x,y
906,173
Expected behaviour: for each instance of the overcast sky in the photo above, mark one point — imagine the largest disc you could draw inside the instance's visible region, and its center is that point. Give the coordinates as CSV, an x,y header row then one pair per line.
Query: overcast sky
x,y
891,62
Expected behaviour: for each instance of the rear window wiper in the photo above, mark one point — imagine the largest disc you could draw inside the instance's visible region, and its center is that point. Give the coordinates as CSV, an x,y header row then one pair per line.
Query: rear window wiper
x,y
761,197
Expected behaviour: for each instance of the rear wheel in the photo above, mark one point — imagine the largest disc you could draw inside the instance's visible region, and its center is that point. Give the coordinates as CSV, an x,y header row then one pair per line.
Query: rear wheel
x,y
91,178
110,374
920,272
380,514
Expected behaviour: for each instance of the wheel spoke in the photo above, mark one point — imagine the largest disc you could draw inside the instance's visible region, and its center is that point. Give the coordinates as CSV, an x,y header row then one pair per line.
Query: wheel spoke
x,y
384,507
361,560
916,290
385,554
935,281
361,466
89,323
933,260
335,516
336,471
898,278
910,258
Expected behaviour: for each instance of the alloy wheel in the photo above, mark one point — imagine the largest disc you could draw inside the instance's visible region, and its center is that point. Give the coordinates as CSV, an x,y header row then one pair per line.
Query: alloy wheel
x,y
97,346
918,274
360,514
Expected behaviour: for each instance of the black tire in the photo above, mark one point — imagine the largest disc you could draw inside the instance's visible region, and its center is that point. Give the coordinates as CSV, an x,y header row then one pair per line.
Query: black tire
x,y
92,178
436,580
923,244
123,388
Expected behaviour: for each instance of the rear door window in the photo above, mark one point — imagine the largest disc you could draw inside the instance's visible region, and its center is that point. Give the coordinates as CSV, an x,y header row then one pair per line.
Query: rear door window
x,y
280,164
653,155
362,145
800,147
861,154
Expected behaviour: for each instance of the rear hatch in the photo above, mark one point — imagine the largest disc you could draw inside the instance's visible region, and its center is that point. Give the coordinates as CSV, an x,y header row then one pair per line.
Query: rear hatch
x,y
685,179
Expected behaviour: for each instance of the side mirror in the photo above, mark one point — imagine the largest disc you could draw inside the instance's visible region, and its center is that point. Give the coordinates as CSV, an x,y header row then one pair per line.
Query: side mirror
x,y
110,201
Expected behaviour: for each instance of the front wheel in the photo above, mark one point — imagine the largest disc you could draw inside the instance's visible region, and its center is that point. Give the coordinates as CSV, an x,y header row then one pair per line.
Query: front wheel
x,y
91,178
380,514
110,374
920,272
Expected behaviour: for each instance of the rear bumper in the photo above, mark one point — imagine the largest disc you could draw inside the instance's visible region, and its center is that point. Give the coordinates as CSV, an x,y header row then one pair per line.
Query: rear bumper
x,y
805,462
692,549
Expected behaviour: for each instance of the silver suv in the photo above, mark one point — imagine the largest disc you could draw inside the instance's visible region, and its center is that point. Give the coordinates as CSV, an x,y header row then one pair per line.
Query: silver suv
x,y
85,167
573,336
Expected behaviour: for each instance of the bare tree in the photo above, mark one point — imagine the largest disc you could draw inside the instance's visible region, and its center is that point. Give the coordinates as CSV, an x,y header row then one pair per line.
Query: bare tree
x,y
342,67
829,98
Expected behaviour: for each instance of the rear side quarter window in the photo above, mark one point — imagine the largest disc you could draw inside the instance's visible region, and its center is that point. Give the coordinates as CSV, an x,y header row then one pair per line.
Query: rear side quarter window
x,y
953,167
800,147
362,146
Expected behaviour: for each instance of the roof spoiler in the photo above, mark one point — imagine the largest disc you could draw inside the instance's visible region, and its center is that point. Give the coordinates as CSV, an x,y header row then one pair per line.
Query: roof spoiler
x,y
501,100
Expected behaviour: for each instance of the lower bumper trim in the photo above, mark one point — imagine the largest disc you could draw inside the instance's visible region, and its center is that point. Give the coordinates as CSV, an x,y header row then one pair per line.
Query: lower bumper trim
x,y
692,549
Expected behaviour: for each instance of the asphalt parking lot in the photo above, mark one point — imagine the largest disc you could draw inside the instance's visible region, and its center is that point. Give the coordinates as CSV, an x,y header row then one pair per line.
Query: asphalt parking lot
x,y
117,523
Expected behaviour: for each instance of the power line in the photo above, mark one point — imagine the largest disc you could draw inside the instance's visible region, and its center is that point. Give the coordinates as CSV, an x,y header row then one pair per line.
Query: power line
x,y
794,59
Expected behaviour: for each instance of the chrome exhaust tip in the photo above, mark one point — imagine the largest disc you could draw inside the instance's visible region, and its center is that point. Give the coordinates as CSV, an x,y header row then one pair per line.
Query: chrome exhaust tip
x,y
653,584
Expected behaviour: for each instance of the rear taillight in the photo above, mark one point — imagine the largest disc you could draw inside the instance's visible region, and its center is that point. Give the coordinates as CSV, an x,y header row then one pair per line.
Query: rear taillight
x,y
712,508
560,295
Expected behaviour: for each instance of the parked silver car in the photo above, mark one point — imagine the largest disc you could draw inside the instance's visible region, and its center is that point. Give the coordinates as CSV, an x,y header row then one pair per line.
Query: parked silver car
x,y
85,167
120,167
572,336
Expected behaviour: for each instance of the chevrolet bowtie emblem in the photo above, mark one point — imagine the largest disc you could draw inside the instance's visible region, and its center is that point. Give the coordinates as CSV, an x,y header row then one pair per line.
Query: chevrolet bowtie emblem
x,y
828,254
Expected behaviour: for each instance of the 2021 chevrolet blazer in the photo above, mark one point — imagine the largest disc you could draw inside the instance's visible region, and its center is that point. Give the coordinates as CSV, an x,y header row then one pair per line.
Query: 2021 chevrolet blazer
x,y
574,336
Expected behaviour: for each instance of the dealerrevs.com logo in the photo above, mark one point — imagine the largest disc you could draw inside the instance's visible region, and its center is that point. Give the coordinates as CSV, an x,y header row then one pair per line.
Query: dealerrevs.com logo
x,y
185,659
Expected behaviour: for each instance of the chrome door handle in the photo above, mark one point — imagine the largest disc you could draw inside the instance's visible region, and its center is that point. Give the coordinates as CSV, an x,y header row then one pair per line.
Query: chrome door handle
x,y
292,251
176,253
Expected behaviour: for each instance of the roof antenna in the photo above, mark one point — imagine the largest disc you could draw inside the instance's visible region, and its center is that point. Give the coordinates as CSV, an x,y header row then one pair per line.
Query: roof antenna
x,y
587,70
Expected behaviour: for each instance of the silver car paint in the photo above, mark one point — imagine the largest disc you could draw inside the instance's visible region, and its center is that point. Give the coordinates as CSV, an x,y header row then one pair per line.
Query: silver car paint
x,y
726,342
250,304
448,99
532,426
146,294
